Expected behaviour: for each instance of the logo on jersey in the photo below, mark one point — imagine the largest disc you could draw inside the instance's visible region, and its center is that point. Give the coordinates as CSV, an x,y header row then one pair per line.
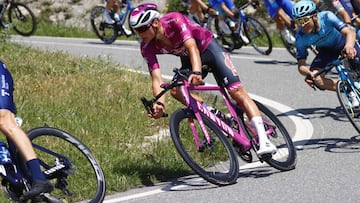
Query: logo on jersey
x,y
229,64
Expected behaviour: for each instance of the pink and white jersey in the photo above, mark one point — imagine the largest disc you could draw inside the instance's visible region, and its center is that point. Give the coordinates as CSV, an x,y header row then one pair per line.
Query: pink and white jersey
x,y
177,28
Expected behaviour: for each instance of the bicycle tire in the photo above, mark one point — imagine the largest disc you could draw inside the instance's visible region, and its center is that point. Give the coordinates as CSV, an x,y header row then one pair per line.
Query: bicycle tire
x,y
227,41
353,114
285,157
22,19
222,168
291,48
258,36
87,182
107,33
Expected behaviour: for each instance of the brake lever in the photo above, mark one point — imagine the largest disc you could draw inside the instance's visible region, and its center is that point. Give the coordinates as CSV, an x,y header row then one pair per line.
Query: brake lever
x,y
149,106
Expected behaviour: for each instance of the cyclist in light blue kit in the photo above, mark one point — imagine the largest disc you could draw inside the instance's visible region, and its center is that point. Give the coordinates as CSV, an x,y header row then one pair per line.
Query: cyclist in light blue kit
x,y
9,128
329,34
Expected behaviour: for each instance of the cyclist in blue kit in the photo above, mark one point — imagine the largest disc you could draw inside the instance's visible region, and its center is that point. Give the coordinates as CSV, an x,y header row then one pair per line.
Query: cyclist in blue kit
x,y
329,34
22,142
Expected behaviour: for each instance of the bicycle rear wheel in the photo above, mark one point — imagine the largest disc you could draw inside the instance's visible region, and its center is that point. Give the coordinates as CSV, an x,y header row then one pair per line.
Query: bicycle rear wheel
x,y
291,48
216,162
22,19
83,180
285,157
258,36
343,88
227,41
107,33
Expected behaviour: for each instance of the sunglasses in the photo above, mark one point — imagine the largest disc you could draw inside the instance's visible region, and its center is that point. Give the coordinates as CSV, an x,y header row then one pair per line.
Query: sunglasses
x,y
142,28
303,20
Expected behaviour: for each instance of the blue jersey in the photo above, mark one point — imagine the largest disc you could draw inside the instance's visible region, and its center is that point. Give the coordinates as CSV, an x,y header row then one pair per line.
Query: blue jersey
x,y
328,36
216,4
6,90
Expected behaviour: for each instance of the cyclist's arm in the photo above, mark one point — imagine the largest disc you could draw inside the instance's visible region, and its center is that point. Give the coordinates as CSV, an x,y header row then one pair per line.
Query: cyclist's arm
x,y
305,71
227,11
194,55
344,16
302,68
156,81
350,42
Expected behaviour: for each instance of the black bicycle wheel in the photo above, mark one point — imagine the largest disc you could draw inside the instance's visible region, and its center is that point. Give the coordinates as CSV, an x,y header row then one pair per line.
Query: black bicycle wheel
x,y
343,89
22,19
285,157
227,41
216,162
84,180
107,33
291,48
258,36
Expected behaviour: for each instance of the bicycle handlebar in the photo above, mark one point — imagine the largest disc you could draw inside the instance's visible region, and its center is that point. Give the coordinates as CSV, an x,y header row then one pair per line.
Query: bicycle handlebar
x,y
178,80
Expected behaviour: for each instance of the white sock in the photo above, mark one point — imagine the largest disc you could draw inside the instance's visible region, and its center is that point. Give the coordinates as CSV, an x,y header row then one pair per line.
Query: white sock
x,y
257,122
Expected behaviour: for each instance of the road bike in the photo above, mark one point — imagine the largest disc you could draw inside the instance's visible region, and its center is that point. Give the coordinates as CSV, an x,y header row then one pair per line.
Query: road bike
x,y
347,87
66,162
108,33
202,134
19,16
256,34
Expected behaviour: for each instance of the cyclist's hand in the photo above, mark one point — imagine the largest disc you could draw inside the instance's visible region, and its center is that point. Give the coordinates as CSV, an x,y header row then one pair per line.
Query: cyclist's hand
x,y
309,79
213,11
158,110
195,79
349,52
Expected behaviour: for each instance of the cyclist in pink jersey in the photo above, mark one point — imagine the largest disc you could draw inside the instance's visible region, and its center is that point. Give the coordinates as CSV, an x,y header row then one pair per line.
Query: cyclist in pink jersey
x,y
175,34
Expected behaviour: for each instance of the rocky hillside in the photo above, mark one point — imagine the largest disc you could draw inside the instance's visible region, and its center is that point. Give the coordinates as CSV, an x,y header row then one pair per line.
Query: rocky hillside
x,y
73,12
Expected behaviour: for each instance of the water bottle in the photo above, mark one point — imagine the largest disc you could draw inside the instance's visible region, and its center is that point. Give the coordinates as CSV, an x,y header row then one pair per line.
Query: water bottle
x,y
116,17
122,13
5,157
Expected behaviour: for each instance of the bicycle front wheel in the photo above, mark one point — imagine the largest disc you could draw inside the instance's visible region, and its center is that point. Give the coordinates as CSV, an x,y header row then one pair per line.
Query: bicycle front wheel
x,y
22,19
258,36
107,33
216,162
343,90
291,48
83,180
285,157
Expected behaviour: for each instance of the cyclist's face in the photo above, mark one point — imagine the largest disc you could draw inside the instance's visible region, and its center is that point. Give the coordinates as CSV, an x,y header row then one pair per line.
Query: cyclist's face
x,y
147,35
307,23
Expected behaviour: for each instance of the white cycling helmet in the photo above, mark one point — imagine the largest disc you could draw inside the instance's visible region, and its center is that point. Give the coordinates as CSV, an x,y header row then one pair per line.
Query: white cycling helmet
x,y
144,14
303,8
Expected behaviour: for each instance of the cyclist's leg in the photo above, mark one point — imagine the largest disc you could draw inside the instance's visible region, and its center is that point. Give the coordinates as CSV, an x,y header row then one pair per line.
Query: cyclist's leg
x,y
226,75
9,128
320,61
106,15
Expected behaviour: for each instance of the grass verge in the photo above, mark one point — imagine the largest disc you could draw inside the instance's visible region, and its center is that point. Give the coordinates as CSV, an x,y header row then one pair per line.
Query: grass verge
x,y
99,104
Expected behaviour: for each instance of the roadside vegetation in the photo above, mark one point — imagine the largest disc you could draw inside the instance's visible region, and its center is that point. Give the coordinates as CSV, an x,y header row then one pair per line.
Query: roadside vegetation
x,y
99,103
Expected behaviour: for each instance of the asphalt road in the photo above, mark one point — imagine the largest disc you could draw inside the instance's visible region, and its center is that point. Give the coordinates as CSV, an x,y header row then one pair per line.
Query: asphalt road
x,y
328,146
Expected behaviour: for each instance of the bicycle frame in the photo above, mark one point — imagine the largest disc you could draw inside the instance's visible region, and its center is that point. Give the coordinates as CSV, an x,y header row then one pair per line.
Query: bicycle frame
x,y
129,8
197,107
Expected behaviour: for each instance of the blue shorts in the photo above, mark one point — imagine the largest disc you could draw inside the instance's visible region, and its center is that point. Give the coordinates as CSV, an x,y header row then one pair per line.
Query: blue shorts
x,y
272,6
7,88
326,56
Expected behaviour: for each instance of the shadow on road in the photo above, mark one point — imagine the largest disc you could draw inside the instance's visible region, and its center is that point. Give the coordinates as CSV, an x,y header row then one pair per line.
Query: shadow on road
x,y
334,145
307,113
289,63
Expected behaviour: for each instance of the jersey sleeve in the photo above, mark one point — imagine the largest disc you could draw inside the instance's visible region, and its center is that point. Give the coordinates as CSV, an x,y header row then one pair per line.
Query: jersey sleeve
x,y
150,58
334,21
